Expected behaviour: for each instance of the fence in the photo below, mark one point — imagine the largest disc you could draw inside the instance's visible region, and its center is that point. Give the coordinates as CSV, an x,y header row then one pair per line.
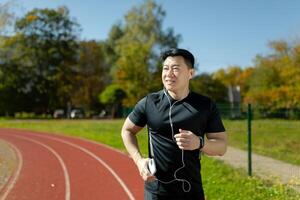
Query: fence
x,y
239,111
270,141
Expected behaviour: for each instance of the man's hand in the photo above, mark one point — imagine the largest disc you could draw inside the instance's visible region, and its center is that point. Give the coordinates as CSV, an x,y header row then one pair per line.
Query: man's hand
x,y
187,140
142,165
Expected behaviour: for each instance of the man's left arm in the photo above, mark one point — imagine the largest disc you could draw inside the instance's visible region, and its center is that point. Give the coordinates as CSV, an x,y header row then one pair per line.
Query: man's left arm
x,y
216,144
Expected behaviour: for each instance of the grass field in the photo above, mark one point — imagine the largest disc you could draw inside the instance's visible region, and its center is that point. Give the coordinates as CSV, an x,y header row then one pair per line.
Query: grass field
x,y
279,139
220,180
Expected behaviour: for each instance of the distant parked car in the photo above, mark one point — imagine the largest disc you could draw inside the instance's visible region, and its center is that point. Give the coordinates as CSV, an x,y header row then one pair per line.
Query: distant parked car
x,y
77,114
58,114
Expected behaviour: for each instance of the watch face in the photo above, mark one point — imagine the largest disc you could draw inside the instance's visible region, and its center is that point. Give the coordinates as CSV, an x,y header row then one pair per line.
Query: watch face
x,y
201,142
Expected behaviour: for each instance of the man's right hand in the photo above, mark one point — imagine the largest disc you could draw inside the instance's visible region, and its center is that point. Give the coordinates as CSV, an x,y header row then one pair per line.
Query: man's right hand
x,y
142,165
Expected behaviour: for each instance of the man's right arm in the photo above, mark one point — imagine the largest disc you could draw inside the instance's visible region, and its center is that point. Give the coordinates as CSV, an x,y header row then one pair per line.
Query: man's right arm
x,y
129,131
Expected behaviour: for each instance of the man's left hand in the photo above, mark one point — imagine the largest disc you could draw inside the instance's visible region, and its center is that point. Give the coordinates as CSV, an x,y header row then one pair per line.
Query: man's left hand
x,y
187,140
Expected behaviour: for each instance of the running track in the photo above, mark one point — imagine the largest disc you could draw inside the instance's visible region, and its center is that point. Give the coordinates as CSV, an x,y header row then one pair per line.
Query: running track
x,y
59,167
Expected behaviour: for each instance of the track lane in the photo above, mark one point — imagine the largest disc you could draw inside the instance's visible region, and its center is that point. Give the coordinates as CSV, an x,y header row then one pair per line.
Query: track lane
x,y
40,175
9,185
118,162
62,164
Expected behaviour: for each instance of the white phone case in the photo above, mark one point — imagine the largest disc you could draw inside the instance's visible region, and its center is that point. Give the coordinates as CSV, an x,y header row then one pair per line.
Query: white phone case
x,y
151,166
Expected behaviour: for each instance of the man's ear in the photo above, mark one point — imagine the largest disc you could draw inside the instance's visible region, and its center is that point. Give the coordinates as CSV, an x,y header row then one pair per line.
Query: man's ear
x,y
192,73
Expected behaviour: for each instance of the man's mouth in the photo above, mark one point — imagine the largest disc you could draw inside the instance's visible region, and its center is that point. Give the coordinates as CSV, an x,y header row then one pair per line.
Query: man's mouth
x,y
170,82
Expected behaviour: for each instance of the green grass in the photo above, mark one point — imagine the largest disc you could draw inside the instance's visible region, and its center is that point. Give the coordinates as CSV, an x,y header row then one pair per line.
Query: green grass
x,y
223,182
220,180
105,131
279,139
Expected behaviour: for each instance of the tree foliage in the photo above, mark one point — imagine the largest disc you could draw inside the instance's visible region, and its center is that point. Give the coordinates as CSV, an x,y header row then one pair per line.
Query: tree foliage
x,y
228,76
275,83
38,59
91,75
141,39
112,96
213,88
43,65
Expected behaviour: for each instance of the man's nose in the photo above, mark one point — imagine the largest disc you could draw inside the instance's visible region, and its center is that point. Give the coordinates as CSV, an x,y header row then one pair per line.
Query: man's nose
x,y
170,73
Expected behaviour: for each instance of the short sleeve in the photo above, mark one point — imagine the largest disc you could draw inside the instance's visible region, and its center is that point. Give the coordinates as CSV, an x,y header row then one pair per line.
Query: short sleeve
x,y
138,114
214,122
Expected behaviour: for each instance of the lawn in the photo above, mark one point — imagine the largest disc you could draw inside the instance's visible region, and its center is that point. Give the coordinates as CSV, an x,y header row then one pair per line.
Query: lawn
x,y
279,139
220,180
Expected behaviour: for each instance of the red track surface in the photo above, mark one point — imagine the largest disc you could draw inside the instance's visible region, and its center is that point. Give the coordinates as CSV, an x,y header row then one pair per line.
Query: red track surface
x,y
59,167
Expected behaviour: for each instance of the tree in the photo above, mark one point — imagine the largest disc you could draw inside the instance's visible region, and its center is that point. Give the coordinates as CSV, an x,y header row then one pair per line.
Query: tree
x,y
109,44
112,96
228,76
42,52
243,80
234,76
274,85
137,65
204,84
6,20
91,77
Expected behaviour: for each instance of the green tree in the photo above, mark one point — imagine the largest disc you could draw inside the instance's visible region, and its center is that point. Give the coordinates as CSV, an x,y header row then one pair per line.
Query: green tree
x,y
42,52
275,82
204,84
137,67
109,50
6,20
15,79
91,77
234,76
228,76
113,96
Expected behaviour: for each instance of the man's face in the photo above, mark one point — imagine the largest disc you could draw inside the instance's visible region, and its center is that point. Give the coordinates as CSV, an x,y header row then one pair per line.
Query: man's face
x,y
176,74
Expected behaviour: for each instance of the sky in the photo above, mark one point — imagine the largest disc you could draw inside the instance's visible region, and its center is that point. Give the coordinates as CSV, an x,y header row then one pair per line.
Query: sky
x,y
220,33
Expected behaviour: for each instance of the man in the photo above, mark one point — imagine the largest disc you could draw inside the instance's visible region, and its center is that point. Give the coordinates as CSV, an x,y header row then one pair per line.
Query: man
x,y
177,120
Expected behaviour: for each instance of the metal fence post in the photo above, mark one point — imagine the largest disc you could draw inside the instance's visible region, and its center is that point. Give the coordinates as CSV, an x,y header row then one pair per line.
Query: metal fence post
x,y
249,118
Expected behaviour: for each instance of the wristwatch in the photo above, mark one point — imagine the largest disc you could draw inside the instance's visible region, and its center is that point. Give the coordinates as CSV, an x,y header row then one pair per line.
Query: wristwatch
x,y
201,139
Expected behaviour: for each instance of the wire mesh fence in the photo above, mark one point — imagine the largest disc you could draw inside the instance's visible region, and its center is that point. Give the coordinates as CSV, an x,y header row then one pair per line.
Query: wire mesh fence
x,y
239,111
275,142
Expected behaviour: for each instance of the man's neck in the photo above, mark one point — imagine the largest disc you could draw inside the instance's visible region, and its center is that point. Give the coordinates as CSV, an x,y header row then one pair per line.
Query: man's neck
x,y
179,95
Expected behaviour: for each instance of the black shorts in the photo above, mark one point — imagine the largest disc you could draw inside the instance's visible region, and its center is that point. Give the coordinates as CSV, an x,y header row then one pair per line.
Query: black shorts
x,y
151,196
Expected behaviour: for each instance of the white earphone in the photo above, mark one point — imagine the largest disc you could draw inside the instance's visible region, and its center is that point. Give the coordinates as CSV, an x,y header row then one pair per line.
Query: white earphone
x,y
182,151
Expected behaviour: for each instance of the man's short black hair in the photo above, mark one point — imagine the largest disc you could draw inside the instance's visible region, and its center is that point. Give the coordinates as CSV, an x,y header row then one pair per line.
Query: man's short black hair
x,y
188,56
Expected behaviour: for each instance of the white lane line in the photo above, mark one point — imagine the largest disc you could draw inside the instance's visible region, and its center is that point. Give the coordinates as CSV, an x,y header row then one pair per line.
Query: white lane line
x,y
16,174
62,164
115,175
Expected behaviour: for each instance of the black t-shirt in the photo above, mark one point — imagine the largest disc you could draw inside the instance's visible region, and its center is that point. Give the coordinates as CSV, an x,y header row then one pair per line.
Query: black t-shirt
x,y
195,113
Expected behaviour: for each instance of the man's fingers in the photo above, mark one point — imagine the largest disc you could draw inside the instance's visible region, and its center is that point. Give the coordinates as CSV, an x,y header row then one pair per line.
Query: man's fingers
x,y
147,176
183,131
144,172
184,140
182,135
183,144
185,147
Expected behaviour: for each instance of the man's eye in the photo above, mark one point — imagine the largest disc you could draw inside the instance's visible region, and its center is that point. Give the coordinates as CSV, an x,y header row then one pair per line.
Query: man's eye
x,y
165,68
